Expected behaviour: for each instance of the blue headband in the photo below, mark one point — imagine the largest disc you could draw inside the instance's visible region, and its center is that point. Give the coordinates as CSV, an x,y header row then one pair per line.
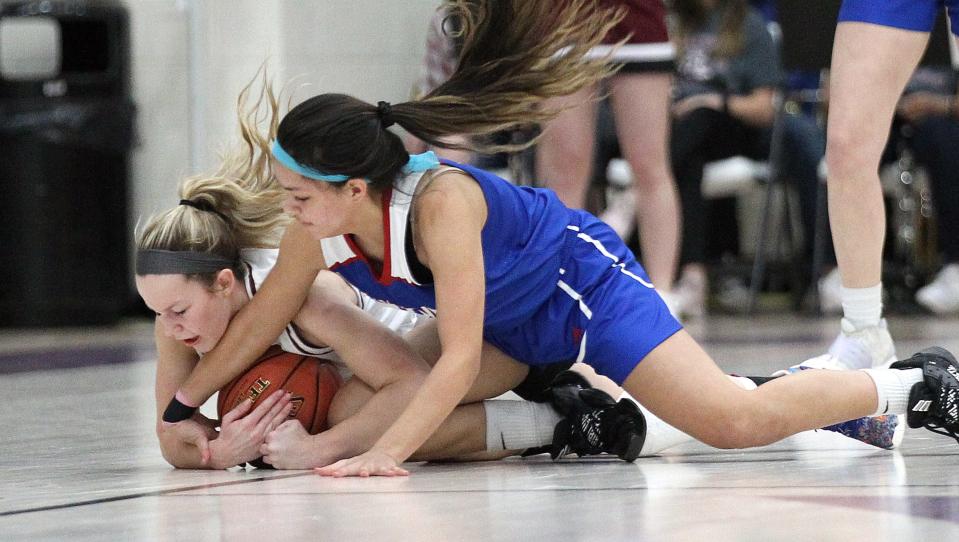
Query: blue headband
x,y
284,158
418,162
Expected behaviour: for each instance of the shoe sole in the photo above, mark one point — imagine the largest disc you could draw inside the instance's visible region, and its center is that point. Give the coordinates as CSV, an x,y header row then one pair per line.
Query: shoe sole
x,y
636,441
633,449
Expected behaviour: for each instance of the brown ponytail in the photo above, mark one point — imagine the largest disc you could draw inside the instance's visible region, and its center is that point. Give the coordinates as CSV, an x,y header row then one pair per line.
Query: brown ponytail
x,y
515,54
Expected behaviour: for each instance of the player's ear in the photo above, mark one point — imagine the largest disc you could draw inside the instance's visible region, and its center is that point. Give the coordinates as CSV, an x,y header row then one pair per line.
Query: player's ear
x,y
357,188
224,281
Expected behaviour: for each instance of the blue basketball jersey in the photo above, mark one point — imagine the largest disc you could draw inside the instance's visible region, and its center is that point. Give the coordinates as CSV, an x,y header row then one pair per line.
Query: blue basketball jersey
x,y
524,227
560,284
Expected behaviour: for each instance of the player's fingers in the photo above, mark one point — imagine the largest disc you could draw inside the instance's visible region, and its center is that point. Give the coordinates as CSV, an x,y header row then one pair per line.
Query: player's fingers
x,y
268,403
331,469
275,417
237,412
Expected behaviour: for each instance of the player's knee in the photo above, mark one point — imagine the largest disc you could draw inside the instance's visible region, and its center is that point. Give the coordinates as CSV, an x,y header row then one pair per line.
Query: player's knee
x,y
566,152
846,154
745,426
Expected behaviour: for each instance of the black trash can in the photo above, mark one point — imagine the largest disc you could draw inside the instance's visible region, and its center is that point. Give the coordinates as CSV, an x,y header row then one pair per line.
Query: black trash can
x,y
65,138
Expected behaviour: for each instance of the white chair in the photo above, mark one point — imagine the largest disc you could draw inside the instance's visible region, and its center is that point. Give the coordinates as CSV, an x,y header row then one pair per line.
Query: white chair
x,y
740,176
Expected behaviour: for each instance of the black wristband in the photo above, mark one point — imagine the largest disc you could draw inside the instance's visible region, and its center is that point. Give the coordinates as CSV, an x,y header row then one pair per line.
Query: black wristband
x,y
177,412
726,103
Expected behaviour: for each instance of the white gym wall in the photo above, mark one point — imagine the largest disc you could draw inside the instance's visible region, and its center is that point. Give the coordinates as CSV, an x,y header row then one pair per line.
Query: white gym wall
x,y
190,58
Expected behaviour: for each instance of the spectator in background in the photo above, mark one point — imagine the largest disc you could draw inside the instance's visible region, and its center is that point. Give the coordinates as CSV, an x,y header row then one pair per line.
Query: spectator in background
x,y
728,72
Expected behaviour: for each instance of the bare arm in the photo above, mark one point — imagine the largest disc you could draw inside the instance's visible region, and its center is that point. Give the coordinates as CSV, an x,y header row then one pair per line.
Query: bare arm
x,y
756,108
376,355
450,218
174,363
918,105
262,320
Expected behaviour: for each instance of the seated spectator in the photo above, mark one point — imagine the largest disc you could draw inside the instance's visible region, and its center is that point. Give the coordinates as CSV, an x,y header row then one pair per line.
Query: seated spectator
x,y
728,71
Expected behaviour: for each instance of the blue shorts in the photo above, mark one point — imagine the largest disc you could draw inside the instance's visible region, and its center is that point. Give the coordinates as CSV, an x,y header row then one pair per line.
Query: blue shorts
x,y
603,312
918,15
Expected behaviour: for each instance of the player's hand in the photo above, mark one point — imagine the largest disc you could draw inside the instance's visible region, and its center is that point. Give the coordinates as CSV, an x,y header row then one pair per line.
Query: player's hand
x,y
242,432
289,446
372,463
193,433
685,106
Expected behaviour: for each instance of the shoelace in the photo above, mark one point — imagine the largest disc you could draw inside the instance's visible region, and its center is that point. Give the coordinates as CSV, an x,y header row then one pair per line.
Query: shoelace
x,y
948,400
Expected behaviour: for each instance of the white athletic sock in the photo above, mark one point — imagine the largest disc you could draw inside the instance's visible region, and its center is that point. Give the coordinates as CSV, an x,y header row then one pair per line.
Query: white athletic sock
x,y
659,434
518,425
743,382
862,306
893,387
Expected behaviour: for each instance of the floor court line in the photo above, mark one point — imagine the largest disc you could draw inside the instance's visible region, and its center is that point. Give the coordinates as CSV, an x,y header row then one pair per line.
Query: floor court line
x,y
158,493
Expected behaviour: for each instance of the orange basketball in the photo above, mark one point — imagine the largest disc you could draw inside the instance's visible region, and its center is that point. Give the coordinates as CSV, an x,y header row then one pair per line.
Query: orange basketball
x,y
312,381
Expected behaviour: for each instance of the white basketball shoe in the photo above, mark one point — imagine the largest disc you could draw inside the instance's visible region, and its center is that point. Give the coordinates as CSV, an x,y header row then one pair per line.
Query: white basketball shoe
x,y
854,349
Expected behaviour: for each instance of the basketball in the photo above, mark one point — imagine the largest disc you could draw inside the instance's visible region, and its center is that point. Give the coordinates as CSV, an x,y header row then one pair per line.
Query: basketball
x,y
312,382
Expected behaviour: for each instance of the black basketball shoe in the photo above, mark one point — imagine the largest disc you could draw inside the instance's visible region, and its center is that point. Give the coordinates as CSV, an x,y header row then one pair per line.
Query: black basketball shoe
x,y
934,402
593,423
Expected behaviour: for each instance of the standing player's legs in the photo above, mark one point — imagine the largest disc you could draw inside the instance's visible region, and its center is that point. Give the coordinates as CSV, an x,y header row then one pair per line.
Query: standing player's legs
x,y
879,59
640,103
564,153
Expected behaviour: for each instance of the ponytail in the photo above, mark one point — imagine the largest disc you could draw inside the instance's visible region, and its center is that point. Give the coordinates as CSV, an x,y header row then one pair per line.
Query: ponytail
x,y
239,205
515,55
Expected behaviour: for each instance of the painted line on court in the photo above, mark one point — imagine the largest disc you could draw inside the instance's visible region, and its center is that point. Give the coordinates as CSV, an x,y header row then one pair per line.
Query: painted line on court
x,y
157,493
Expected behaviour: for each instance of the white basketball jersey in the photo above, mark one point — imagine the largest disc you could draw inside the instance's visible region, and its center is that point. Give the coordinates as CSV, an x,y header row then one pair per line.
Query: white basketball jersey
x,y
260,261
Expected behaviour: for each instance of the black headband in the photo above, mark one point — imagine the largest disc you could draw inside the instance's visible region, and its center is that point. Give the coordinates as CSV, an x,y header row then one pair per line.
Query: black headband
x,y
204,206
385,111
179,262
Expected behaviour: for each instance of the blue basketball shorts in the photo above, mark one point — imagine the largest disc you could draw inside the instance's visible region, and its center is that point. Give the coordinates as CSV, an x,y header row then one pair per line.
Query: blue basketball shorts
x,y
918,15
604,310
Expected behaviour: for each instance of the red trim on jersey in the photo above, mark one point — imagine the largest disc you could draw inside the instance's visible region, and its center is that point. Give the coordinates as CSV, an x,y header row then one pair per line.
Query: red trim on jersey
x,y
385,278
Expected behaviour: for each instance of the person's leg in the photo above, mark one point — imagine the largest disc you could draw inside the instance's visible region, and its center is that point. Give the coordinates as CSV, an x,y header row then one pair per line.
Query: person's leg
x,y
464,433
880,59
640,103
700,136
679,382
564,153
693,142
